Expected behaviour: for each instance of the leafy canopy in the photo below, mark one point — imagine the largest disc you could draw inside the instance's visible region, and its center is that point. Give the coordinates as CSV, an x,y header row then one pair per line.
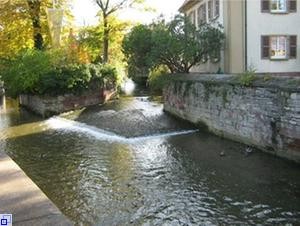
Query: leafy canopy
x,y
177,44
17,25
107,9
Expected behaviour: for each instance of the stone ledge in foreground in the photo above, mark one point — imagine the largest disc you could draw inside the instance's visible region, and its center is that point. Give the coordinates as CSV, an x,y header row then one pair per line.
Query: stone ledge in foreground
x,y
22,198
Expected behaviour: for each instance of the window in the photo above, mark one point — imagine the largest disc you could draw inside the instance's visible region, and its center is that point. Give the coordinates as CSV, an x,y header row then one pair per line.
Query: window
x,y
202,14
213,8
278,46
217,8
192,16
278,6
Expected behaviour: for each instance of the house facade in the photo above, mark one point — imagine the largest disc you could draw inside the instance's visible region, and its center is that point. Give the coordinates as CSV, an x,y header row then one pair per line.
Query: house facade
x,y
260,34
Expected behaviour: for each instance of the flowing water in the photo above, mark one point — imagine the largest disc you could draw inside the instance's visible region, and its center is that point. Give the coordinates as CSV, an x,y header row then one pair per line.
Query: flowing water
x,y
130,163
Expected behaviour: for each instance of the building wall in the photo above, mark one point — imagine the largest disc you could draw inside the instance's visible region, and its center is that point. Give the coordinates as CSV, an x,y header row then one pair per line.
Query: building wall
x,y
209,66
265,114
270,24
234,30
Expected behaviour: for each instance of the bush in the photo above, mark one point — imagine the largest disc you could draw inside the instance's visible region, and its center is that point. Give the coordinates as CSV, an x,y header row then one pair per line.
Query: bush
x,y
50,73
67,79
248,77
109,75
23,73
158,78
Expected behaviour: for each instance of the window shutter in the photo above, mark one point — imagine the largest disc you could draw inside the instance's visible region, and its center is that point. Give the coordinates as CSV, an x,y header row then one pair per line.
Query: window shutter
x,y
292,5
293,46
265,6
265,47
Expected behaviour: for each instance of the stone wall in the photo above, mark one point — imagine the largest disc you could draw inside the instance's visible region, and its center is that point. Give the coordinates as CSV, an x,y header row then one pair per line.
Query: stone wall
x,y
265,114
48,105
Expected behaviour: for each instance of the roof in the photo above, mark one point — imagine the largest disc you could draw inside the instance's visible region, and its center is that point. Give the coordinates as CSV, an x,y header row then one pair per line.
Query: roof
x,y
187,4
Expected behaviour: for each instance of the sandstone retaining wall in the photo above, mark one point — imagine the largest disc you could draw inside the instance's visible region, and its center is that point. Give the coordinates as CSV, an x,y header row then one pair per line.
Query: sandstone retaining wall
x,y
265,114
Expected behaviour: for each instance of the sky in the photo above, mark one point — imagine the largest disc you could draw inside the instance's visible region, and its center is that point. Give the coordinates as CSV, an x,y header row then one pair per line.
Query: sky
x,y
85,11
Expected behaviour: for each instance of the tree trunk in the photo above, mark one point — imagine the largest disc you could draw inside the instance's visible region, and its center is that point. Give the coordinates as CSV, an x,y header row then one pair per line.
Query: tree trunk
x,y
105,39
34,10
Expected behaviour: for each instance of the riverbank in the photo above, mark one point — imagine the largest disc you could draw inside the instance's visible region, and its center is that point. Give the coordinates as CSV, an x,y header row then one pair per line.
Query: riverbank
x,y
20,197
264,114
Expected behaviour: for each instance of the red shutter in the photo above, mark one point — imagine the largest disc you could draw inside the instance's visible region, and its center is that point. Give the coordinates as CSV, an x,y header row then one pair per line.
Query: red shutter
x,y
293,46
292,5
265,47
265,6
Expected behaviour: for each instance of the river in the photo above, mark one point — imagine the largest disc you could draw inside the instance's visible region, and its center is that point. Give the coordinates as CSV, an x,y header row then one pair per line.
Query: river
x,y
127,162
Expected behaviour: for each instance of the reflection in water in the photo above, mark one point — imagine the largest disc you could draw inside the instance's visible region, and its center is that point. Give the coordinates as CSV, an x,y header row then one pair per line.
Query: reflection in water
x,y
99,177
2,104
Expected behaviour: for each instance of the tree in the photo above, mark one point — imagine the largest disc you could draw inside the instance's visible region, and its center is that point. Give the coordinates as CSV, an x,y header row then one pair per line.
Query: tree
x,y
177,44
137,47
35,15
107,8
23,24
15,28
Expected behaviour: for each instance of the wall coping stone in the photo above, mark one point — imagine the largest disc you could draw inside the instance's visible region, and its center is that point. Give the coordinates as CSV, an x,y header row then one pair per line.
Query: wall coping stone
x,y
287,83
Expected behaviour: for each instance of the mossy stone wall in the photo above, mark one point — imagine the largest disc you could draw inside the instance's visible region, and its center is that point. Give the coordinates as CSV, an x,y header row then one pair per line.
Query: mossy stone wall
x,y
265,114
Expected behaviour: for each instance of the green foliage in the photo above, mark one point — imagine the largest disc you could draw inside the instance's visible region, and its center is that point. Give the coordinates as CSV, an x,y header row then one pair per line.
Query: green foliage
x,y
159,78
24,72
66,79
50,73
137,46
177,44
267,78
110,76
89,39
248,77
107,10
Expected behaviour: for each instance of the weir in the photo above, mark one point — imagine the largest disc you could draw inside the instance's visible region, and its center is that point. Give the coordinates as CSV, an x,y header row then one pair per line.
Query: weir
x,y
73,126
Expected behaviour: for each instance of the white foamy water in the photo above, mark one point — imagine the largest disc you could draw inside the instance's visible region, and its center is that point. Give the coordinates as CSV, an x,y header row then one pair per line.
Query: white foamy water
x,y
59,123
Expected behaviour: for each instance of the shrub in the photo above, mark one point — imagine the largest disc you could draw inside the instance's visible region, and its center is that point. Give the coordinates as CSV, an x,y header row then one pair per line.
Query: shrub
x,y
22,74
50,73
67,79
109,75
248,77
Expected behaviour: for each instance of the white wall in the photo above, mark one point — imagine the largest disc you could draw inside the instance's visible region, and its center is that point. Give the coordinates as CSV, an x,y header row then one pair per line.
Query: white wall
x,y
270,24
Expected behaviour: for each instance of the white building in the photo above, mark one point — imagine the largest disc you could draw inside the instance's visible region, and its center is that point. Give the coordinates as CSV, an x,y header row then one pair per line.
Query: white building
x,y
260,34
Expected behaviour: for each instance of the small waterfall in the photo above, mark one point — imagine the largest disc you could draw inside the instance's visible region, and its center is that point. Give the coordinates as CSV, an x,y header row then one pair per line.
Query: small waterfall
x,y
59,123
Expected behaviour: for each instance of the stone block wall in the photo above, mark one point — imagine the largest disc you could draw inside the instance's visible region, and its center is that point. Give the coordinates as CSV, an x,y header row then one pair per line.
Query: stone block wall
x,y
265,114
51,105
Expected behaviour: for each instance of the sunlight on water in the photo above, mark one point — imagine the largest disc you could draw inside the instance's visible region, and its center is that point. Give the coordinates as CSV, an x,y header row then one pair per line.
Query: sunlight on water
x,y
128,87
23,130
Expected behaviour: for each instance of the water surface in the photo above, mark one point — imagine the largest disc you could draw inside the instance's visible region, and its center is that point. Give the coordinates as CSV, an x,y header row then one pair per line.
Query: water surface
x,y
129,163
